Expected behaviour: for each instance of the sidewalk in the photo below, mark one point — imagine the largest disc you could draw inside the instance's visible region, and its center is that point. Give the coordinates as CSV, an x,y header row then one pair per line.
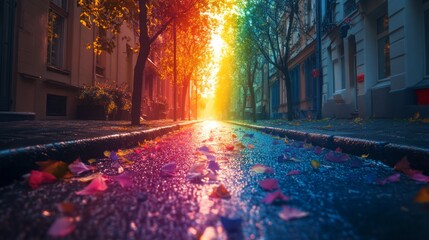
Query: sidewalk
x,y
387,140
22,143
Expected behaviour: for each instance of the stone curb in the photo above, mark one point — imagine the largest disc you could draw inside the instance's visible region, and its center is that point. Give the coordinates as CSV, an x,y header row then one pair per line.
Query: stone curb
x,y
18,161
388,153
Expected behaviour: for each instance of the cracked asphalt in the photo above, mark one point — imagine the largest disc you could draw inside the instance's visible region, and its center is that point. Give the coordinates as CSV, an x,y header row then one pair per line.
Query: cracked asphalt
x,y
344,199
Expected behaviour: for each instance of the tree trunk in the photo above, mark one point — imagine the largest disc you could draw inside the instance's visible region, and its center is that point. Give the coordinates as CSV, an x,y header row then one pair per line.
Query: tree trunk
x,y
288,94
183,98
140,64
252,101
243,112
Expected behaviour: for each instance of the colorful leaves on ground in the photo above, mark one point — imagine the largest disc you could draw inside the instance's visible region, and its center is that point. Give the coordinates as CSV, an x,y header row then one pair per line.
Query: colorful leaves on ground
x,y
259,168
38,178
78,167
422,196
289,213
220,192
229,147
274,196
404,166
269,184
97,185
62,227
169,169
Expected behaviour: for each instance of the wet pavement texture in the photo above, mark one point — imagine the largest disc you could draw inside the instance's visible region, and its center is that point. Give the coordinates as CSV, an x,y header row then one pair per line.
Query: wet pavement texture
x,y
30,133
410,132
344,200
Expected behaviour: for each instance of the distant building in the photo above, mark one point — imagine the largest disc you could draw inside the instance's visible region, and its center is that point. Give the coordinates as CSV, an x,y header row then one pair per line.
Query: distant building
x,y
44,59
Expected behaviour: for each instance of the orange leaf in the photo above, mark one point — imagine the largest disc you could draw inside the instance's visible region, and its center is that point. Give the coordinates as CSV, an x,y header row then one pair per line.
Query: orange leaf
x,y
422,196
220,192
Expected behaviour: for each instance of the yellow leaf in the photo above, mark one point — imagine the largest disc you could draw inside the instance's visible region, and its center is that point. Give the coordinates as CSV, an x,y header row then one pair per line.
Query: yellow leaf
x,y
364,155
91,161
315,164
107,153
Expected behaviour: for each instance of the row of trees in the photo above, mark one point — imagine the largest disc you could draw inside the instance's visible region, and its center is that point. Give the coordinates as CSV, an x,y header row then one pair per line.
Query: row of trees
x,y
264,31
186,22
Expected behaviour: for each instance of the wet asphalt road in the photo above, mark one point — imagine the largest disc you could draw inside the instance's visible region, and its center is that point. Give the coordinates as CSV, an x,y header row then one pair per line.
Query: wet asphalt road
x,y
343,199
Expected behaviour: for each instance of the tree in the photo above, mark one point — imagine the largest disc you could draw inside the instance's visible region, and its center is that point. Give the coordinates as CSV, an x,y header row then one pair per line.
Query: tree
x,y
147,18
272,23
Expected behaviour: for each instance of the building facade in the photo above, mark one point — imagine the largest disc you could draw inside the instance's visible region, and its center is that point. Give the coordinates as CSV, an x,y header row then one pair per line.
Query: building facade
x,y
47,60
375,58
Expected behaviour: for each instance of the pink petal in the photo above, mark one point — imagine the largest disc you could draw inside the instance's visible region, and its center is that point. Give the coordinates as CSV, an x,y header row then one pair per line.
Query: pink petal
x,y
392,178
288,213
77,167
417,175
97,185
269,184
124,180
169,169
62,227
37,178
293,172
336,157
273,196
259,168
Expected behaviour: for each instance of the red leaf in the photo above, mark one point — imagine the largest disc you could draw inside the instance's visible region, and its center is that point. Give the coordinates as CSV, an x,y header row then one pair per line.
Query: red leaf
x,y
220,192
229,147
417,175
259,168
402,165
37,178
97,185
288,213
77,167
124,180
273,196
269,184
62,227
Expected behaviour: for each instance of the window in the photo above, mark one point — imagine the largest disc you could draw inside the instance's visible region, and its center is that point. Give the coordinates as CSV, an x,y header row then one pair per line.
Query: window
x,y
56,105
349,7
383,47
310,12
427,41
339,69
57,29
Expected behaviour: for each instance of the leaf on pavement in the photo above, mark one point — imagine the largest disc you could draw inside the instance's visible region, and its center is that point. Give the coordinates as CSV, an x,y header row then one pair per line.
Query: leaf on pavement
x,y
124,179
57,168
214,166
422,196
250,146
364,155
315,164
392,178
78,167
403,165
231,225
66,208
205,149
288,213
37,178
62,227
220,192
233,135
318,150
229,147
336,157
274,196
417,175
169,169
259,168
88,178
293,172
97,185
269,184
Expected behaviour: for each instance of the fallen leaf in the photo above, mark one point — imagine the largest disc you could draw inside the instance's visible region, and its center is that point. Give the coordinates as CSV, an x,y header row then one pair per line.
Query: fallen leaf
x,y
293,172
56,168
364,155
205,149
62,227
124,179
234,136
392,178
274,196
220,192
417,175
66,208
250,146
231,225
78,167
97,185
211,175
288,213
259,168
269,184
338,150
198,168
88,178
169,169
37,178
92,160
402,165
422,196
210,157
194,176
229,147
214,166
315,164
336,157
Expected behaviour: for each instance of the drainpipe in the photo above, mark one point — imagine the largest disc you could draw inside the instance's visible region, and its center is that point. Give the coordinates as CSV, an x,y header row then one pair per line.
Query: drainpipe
x,y
319,79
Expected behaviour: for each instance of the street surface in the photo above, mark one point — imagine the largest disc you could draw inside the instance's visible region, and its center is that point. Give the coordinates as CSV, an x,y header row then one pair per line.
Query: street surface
x,y
166,191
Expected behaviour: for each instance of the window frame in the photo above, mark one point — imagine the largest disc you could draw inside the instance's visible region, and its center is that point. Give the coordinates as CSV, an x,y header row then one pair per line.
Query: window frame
x,y
380,36
62,12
